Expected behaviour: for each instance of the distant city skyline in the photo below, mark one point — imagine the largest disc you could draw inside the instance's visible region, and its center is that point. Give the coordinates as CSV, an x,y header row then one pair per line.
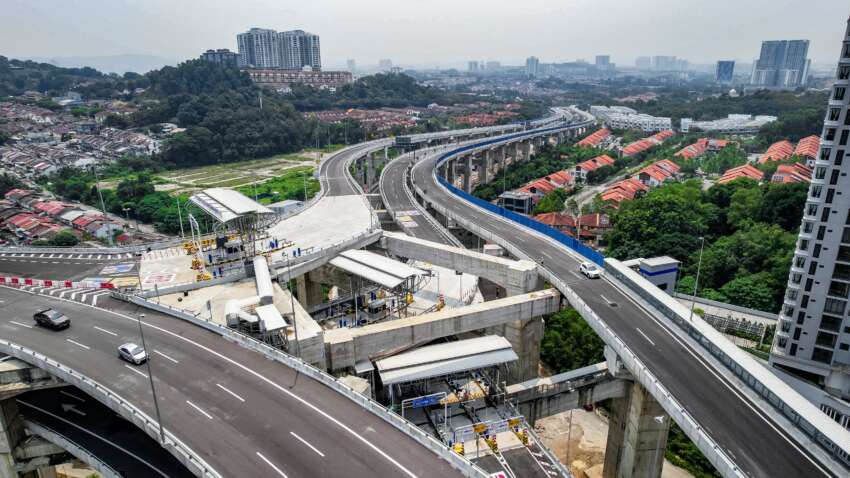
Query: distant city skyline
x,y
551,31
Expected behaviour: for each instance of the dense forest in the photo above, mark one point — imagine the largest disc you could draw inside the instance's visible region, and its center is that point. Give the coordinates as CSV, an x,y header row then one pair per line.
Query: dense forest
x,y
749,232
375,91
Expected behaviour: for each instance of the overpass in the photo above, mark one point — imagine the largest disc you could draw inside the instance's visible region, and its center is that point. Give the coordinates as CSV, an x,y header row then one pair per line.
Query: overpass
x,y
740,433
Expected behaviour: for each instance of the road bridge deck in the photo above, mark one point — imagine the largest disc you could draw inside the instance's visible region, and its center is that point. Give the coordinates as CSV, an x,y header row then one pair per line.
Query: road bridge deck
x,y
750,436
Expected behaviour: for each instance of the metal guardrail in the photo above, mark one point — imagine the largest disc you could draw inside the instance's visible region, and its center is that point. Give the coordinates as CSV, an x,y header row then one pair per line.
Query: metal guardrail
x,y
191,460
458,462
71,447
718,458
724,305
736,361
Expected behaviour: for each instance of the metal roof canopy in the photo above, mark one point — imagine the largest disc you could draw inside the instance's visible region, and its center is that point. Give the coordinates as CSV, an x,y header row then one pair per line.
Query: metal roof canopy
x,y
445,359
379,269
225,205
270,318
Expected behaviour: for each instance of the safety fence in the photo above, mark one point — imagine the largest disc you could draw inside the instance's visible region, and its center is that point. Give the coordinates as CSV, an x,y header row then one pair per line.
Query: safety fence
x,y
59,284
458,462
569,241
764,383
191,460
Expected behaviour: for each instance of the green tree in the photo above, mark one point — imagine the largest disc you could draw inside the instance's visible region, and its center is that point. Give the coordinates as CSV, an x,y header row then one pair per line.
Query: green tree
x,y
569,343
552,202
756,291
64,239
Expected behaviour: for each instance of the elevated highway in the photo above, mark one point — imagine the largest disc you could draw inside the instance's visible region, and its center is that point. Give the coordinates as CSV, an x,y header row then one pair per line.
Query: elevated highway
x,y
759,445
241,413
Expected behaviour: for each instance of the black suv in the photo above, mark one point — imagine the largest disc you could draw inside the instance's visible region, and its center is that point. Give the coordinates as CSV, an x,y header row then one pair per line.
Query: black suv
x,y
52,319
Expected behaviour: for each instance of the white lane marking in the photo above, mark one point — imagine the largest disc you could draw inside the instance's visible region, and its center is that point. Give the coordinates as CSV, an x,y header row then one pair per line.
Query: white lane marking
x,y
281,473
118,447
143,374
577,274
262,378
645,336
230,392
20,324
78,344
199,409
106,331
308,444
63,392
745,400
605,299
72,408
166,356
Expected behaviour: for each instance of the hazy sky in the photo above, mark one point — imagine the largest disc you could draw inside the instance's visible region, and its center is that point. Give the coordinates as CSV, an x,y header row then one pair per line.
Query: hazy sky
x,y
428,32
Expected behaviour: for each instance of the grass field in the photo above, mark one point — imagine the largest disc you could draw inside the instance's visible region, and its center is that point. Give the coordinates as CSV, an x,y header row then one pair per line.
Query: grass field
x,y
242,174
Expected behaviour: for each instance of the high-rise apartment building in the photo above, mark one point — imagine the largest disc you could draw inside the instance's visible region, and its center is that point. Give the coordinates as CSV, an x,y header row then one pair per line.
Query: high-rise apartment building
x,y
493,66
351,65
259,47
602,61
532,66
472,67
222,56
813,333
724,71
782,64
293,50
643,63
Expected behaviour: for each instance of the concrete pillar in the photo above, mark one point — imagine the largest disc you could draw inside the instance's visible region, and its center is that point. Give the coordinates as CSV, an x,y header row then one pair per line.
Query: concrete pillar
x,y
309,292
637,436
467,174
370,170
386,154
484,167
450,172
526,151
11,434
525,337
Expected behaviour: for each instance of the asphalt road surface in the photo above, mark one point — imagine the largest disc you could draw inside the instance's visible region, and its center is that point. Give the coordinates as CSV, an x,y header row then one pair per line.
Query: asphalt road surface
x,y
57,266
757,444
243,414
97,429
334,174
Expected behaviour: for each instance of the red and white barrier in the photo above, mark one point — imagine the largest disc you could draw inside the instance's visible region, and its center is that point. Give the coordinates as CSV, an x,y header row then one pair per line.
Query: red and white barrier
x,y
66,284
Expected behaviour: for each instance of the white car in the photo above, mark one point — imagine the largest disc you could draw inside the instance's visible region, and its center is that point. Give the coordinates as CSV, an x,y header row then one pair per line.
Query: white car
x,y
132,353
590,270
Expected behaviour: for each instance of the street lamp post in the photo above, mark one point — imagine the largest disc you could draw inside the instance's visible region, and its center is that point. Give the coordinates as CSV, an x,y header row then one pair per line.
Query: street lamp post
x,y
139,318
696,282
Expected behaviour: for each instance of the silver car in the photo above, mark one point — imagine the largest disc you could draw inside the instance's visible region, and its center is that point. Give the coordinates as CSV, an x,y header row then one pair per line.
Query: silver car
x,y
132,353
590,270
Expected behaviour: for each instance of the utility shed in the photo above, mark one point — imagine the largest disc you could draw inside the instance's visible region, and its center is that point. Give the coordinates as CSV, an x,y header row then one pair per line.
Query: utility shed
x,y
376,268
445,359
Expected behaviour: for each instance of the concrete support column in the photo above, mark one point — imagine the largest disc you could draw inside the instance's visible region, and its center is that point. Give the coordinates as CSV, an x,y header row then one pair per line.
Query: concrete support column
x,y
467,174
386,154
370,169
637,436
450,172
11,434
526,151
309,292
484,167
525,337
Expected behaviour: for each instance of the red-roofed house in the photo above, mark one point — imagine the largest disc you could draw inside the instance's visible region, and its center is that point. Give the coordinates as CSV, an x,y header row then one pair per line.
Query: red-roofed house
x,y
745,171
538,187
658,172
16,195
642,145
792,173
559,220
595,138
692,151
624,190
778,151
51,208
593,226
808,147
584,167
562,179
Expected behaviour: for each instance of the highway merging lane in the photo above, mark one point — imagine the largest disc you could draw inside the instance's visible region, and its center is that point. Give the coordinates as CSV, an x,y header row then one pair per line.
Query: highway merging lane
x,y
336,180
756,444
243,414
